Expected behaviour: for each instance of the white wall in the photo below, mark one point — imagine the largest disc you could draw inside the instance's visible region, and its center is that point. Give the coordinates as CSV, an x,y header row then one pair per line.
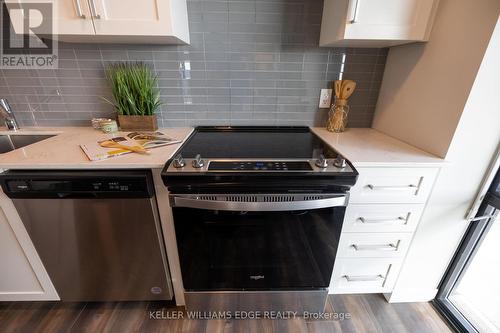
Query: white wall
x,y
444,108
426,85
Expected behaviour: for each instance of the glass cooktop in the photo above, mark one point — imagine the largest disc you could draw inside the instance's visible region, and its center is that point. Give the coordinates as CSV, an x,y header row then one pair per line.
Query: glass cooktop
x,y
256,143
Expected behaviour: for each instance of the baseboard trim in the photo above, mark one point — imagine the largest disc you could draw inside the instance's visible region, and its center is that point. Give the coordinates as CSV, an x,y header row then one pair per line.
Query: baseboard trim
x,y
286,300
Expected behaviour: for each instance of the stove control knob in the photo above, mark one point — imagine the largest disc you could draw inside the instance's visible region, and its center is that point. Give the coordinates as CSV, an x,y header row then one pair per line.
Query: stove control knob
x,y
178,162
198,162
321,162
340,162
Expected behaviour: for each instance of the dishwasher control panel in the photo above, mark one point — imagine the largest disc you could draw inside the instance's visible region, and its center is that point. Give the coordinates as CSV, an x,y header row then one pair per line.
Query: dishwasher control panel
x,y
63,185
82,185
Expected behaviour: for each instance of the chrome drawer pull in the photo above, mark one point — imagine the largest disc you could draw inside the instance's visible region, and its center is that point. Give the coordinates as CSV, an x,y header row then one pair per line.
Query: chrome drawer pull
x,y
93,10
375,221
376,247
354,16
396,187
78,8
414,187
363,278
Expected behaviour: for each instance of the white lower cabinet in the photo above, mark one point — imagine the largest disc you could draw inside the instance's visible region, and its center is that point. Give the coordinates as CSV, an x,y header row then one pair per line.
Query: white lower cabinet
x,y
384,209
364,275
22,277
17,273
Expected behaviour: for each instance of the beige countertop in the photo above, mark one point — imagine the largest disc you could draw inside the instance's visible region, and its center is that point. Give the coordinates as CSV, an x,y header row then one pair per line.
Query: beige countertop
x,y
366,147
63,151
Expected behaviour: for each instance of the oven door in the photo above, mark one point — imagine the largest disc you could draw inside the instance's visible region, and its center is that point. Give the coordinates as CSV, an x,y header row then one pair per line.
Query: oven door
x,y
257,241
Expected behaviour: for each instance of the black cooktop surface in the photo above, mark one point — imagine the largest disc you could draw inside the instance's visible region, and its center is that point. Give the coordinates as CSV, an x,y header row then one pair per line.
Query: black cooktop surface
x,y
258,160
256,142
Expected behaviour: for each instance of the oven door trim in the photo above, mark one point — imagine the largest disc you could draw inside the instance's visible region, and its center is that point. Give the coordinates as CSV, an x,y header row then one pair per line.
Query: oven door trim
x,y
258,202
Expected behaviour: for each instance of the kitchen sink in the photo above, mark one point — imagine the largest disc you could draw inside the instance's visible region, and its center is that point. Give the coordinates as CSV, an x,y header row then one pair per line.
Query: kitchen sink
x,y
14,141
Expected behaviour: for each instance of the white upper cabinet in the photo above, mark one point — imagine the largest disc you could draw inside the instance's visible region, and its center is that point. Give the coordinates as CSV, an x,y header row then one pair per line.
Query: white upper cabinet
x,y
70,17
376,23
148,19
114,21
73,18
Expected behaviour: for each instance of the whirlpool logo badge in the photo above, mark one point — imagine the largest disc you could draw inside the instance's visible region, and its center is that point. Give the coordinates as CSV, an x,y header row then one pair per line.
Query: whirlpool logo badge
x,y
256,277
23,25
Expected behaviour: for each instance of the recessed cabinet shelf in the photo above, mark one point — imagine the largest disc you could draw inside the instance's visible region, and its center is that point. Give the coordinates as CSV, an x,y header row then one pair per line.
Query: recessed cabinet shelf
x,y
376,23
113,21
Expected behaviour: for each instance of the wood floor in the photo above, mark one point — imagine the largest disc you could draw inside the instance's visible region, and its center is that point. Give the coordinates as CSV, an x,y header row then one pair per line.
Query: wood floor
x,y
369,313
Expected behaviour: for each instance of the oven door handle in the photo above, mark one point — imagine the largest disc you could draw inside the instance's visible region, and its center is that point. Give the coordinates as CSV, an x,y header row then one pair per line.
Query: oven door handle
x,y
179,201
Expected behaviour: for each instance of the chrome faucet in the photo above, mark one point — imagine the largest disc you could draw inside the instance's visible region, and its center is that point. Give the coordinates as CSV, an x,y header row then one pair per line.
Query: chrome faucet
x,y
8,115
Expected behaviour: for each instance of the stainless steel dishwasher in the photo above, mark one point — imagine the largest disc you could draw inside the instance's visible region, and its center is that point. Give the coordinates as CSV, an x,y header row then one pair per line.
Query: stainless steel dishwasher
x,y
97,232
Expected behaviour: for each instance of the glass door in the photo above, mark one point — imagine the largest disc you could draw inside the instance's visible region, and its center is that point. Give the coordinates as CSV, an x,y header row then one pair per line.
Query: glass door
x,y
257,250
470,290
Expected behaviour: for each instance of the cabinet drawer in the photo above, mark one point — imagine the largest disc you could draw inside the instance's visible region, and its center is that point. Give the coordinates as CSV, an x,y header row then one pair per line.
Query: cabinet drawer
x,y
382,218
364,275
373,245
393,185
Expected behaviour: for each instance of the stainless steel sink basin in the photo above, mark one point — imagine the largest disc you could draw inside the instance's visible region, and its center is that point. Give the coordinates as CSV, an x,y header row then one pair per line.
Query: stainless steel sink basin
x,y
14,141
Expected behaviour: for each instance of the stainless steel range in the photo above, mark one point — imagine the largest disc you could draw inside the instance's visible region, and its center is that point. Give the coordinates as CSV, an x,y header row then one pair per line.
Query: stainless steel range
x,y
258,213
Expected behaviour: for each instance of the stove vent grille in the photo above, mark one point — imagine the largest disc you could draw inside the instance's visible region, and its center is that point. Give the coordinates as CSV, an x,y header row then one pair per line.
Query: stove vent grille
x,y
261,197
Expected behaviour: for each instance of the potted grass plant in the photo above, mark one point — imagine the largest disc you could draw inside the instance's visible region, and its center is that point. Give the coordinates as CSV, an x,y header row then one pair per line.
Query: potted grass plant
x,y
136,96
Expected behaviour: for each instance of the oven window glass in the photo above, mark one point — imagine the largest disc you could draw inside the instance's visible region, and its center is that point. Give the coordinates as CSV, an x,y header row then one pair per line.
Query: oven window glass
x,y
221,250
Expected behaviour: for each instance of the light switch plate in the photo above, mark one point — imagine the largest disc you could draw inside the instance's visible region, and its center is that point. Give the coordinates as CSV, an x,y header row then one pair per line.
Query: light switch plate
x,y
325,98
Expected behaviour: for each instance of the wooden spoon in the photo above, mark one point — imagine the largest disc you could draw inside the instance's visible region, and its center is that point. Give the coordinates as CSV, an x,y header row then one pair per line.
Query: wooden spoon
x,y
337,88
347,89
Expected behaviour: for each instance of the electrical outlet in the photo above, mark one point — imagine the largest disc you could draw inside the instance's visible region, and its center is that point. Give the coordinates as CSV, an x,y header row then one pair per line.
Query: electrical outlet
x,y
325,98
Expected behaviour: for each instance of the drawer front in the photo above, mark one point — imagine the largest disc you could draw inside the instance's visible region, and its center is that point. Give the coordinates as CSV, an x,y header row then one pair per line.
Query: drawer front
x,y
373,245
382,218
393,185
364,275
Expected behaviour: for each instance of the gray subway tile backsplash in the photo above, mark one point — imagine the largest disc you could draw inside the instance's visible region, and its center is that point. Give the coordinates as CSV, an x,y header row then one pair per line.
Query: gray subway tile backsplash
x,y
250,62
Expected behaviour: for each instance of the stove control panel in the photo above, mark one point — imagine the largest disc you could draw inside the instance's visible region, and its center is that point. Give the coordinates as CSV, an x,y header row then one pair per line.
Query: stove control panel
x,y
198,164
260,166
